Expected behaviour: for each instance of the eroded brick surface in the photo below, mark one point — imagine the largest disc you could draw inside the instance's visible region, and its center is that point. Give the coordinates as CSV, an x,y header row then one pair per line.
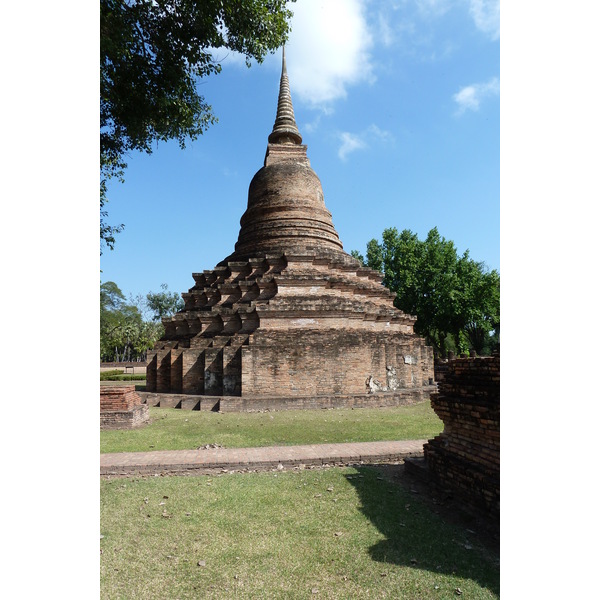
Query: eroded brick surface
x,y
465,458
121,408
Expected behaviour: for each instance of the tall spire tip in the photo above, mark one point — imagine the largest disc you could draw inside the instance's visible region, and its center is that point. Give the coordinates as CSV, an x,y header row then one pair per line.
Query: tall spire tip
x,y
285,130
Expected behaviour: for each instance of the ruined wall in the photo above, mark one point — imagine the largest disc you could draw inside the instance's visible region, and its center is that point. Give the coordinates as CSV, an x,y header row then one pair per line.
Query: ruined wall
x,y
465,458
271,403
313,363
121,408
440,366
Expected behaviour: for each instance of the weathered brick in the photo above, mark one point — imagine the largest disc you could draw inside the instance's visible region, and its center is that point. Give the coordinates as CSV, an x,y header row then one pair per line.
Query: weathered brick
x,y
121,408
465,458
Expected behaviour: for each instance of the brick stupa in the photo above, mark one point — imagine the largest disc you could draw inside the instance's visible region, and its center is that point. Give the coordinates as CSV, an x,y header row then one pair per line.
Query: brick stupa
x,y
288,320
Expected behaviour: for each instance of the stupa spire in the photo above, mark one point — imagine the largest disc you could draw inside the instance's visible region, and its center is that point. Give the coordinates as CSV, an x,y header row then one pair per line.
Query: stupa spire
x,y
285,130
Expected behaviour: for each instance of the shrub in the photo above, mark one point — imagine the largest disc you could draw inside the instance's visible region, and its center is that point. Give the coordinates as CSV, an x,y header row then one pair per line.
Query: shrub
x,y
119,376
106,374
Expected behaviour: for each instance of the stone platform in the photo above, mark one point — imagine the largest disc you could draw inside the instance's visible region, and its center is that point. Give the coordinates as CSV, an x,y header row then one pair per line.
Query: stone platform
x,y
255,403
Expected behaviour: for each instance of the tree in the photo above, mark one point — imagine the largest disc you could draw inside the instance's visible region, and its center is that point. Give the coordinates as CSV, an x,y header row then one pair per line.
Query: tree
x,y
129,328
455,299
163,304
120,324
152,53
479,297
111,297
358,256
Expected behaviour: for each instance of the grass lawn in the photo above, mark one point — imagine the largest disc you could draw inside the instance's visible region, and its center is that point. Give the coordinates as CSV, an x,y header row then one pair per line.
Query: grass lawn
x,y
176,429
140,386
332,533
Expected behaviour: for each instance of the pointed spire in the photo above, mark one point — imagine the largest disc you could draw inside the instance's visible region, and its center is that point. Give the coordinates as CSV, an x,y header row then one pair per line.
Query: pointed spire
x,y
285,130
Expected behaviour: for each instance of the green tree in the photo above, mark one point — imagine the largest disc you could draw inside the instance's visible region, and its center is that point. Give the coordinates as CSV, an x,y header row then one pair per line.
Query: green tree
x,y
129,328
479,301
152,54
120,325
358,256
111,298
455,299
163,304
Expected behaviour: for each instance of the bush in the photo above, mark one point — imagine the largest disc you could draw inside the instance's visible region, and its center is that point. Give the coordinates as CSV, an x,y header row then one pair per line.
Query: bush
x,y
119,376
107,374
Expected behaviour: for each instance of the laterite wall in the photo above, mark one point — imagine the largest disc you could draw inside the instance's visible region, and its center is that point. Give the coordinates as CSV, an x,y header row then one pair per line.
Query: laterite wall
x,y
313,363
121,408
465,458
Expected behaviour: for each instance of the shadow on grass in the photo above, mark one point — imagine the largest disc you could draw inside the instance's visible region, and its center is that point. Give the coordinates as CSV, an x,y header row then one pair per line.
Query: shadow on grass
x,y
416,536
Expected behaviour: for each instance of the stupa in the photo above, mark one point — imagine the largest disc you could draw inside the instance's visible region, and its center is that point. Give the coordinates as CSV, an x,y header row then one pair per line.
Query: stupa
x,y
288,320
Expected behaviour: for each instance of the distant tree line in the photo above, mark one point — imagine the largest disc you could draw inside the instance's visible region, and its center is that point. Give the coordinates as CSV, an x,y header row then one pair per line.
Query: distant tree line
x,y
129,328
456,299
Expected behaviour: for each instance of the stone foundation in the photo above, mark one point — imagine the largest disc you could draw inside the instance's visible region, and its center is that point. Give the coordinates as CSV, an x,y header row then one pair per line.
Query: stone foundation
x,y
264,403
183,401
121,408
292,326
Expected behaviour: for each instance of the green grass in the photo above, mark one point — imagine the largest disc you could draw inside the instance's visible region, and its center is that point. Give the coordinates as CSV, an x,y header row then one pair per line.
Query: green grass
x,y
333,533
176,429
140,384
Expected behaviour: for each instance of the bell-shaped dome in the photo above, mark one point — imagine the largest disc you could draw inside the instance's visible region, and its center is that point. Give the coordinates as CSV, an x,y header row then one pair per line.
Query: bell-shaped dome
x,y
286,212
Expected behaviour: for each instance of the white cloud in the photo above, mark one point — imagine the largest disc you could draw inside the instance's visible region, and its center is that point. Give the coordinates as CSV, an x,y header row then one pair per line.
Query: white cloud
x,y
435,8
416,25
350,142
486,15
385,33
470,97
312,125
374,132
328,50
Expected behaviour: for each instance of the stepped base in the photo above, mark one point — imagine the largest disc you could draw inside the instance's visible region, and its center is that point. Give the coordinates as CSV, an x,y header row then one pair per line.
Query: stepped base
x,y
285,328
276,403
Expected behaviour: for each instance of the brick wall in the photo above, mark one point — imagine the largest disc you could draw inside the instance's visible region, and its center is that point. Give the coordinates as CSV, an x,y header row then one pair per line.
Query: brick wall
x,y
266,402
128,419
183,401
465,458
121,407
440,367
313,363
301,323
122,397
377,400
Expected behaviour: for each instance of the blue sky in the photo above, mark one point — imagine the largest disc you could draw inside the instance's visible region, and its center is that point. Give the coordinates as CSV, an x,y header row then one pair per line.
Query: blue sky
x,y
399,105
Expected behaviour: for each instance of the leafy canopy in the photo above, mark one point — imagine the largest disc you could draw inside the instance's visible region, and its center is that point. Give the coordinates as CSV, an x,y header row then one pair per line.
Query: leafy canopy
x,y
126,333
456,300
164,303
152,53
